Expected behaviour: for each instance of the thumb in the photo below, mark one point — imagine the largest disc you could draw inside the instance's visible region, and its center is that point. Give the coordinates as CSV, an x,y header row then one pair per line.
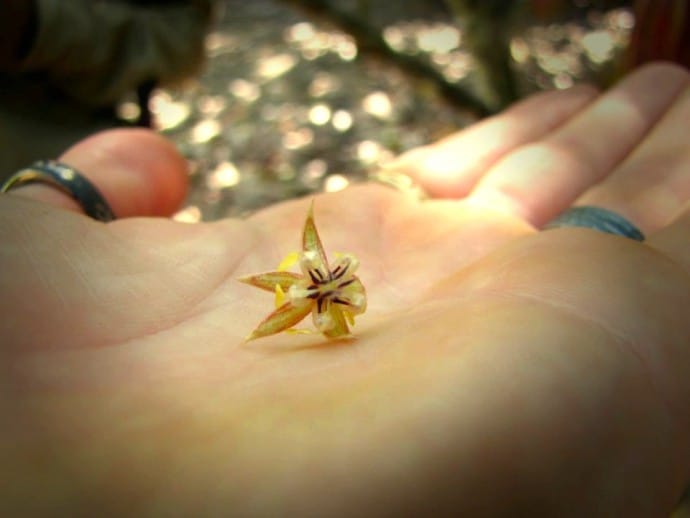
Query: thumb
x,y
138,172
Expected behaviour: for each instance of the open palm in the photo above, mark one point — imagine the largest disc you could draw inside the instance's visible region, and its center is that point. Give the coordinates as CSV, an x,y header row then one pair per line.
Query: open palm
x,y
481,373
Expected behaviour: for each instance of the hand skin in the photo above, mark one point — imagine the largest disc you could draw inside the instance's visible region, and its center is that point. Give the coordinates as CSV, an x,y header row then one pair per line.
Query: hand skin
x,y
498,370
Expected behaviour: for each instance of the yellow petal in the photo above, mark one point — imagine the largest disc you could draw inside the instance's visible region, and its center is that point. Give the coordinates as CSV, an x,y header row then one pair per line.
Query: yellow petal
x,y
288,261
281,319
300,331
280,296
268,281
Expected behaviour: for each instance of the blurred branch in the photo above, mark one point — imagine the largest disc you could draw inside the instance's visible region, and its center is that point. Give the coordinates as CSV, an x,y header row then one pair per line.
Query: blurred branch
x,y
488,26
662,32
363,9
370,41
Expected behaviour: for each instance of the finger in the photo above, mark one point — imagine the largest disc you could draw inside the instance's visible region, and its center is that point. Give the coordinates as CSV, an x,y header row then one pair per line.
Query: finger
x,y
451,167
138,172
538,181
674,240
652,185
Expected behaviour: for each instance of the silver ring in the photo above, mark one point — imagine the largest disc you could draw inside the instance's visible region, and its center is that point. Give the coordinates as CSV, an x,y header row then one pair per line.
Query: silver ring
x,y
596,218
68,180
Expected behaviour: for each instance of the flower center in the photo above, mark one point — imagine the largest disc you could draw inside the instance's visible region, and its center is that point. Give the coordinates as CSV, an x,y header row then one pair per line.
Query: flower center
x,y
329,288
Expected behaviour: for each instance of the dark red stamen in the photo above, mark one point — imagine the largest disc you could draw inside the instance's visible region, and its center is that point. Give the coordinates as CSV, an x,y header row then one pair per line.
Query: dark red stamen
x,y
340,273
346,283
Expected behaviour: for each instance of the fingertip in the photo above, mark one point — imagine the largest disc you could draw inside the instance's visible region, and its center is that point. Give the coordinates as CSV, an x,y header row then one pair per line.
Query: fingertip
x,y
664,71
673,241
451,167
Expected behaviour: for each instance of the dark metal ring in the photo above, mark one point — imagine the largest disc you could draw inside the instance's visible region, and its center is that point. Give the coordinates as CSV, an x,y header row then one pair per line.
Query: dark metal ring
x,y
69,181
599,219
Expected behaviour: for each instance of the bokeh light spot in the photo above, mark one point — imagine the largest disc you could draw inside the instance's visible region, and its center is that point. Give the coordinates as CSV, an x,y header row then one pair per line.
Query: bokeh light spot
x,y
223,176
342,120
320,114
335,183
598,45
190,214
169,114
245,90
128,110
438,38
378,104
300,32
275,66
205,130
298,139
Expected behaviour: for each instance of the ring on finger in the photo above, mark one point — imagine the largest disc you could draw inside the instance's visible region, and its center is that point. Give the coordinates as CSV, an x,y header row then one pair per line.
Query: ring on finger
x,y
596,218
69,181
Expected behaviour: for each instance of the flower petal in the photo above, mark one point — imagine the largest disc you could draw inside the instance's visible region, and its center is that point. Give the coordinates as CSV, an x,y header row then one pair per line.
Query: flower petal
x,y
288,261
280,296
344,265
311,242
355,295
349,317
281,319
268,281
339,327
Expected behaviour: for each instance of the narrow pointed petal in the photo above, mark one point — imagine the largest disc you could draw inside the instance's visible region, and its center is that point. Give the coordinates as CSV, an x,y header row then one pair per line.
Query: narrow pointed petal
x,y
268,281
349,317
281,319
311,242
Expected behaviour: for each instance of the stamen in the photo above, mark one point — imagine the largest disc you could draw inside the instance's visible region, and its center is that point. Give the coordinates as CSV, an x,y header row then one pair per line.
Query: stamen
x,y
342,272
346,283
299,295
338,300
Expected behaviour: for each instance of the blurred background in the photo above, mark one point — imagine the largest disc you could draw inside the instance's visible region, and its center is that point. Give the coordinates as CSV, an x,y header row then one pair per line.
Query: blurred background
x,y
273,99
300,96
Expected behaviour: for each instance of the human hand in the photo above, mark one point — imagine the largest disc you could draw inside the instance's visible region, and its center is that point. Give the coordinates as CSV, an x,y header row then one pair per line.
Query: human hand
x,y
498,369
